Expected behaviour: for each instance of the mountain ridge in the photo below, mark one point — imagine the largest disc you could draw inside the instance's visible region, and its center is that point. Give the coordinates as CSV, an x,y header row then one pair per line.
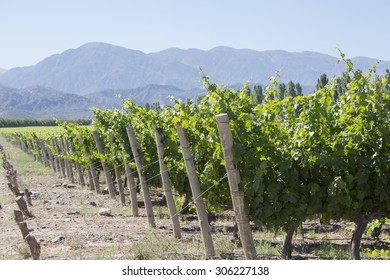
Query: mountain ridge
x,y
38,102
95,66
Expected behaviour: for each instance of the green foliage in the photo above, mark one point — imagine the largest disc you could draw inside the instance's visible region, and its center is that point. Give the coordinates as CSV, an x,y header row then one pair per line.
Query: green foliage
x,y
322,81
330,252
376,253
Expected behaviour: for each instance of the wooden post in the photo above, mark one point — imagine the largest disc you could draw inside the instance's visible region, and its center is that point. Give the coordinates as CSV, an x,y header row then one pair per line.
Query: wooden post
x,y
167,185
132,189
118,174
35,248
13,183
95,178
58,165
234,180
79,169
130,184
44,154
64,162
23,206
11,176
100,149
56,157
80,174
144,186
28,148
61,162
92,170
51,158
196,193
67,148
38,149
63,168
90,180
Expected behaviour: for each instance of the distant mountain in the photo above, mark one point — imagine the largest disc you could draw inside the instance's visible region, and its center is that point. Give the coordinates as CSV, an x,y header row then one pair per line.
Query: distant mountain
x,y
111,98
44,103
95,67
2,71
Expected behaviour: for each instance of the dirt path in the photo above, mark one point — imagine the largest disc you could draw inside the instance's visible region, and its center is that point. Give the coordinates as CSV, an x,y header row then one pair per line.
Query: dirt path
x,y
67,224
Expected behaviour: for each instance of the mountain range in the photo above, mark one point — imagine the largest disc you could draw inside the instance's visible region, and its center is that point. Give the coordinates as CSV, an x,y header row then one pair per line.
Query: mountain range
x,y
2,71
93,74
38,102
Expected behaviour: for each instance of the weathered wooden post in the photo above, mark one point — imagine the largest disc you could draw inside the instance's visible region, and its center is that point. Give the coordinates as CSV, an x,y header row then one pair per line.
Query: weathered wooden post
x,y
90,180
67,148
167,185
106,170
234,180
196,193
66,164
23,206
78,166
118,174
59,163
80,174
130,185
35,248
93,177
44,153
144,186
51,157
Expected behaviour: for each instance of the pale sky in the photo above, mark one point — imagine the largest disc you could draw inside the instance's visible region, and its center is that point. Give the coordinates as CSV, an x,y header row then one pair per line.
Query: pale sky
x,y
31,30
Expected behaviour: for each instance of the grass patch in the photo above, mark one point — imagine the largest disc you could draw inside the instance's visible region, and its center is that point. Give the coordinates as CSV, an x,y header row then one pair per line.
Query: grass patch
x,y
161,212
155,246
224,247
328,251
23,162
265,247
311,234
23,252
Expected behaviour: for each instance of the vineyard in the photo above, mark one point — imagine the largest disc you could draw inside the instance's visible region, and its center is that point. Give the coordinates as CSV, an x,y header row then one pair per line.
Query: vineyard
x,y
232,166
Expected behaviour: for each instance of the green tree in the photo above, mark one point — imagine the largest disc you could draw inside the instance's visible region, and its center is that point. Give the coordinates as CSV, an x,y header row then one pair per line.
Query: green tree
x,y
298,89
291,89
282,90
258,94
322,81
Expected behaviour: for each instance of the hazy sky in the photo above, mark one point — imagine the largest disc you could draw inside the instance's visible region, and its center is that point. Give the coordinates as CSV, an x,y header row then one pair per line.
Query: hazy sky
x,y
31,30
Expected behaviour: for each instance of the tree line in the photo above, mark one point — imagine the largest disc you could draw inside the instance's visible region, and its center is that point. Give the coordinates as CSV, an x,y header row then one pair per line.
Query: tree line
x,y
5,122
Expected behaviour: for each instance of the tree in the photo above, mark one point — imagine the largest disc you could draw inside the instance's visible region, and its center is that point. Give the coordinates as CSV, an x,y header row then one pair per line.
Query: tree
x,y
322,81
247,90
338,89
291,89
298,89
257,94
282,90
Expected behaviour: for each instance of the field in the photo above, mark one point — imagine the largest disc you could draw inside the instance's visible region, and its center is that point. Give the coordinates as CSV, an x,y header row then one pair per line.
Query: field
x,y
67,225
